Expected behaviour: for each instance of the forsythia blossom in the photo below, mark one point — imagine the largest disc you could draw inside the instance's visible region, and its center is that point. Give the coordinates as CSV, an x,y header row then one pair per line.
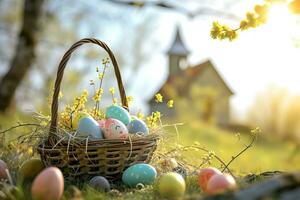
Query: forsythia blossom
x,y
158,98
112,90
252,20
153,118
170,103
129,100
98,94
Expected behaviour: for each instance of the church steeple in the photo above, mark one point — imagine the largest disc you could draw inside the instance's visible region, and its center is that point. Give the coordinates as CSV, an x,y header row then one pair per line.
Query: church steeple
x,y
178,54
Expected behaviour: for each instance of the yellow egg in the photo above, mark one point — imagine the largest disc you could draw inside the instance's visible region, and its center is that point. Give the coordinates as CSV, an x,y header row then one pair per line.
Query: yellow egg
x,y
171,185
77,117
30,168
48,185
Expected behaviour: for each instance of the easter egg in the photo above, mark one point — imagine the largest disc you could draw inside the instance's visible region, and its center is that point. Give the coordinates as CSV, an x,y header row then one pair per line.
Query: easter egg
x,y
48,185
115,129
30,168
171,185
169,163
134,117
137,126
219,183
204,175
3,168
88,127
119,113
100,183
77,117
101,123
139,173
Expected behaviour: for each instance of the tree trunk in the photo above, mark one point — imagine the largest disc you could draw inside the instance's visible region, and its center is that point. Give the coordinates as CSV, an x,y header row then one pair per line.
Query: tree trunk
x,y
24,54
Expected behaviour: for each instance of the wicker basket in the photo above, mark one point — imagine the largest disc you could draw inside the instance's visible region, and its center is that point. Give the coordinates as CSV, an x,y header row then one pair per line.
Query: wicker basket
x,y
106,157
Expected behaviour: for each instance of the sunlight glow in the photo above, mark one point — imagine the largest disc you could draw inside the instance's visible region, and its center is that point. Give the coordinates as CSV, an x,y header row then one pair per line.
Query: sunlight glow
x,y
280,18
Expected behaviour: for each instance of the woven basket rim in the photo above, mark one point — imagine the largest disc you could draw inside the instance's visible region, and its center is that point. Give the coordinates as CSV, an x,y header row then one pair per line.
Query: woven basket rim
x,y
154,137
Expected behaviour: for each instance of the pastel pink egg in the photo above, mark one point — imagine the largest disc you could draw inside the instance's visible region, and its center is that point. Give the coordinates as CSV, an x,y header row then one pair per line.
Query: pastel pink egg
x,y
48,185
220,183
115,129
204,175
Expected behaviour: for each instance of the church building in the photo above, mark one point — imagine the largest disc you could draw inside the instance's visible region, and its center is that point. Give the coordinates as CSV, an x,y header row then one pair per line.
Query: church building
x,y
200,86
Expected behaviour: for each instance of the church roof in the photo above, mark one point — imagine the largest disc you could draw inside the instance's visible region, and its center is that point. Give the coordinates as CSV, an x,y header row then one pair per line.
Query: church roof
x,y
178,48
182,81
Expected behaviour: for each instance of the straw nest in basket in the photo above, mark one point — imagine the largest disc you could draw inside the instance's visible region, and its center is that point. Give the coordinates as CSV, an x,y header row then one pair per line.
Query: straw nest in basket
x,y
94,154
107,157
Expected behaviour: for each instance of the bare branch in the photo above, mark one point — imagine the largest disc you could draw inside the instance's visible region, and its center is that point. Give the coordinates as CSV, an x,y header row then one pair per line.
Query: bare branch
x,y
19,125
254,138
182,10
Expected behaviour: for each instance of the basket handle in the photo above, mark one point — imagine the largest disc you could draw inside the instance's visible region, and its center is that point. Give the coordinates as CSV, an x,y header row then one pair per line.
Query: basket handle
x,y
60,73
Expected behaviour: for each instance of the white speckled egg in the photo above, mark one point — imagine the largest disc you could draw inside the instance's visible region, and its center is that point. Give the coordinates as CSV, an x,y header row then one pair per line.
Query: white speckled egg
x,y
88,127
115,129
137,126
139,173
119,113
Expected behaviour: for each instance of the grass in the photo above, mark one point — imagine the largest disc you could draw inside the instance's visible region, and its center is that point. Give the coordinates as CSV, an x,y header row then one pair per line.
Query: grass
x,y
268,154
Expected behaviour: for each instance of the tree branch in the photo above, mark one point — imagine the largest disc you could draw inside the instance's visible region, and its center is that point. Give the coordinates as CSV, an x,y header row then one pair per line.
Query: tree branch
x,y
18,126
241,152
182,10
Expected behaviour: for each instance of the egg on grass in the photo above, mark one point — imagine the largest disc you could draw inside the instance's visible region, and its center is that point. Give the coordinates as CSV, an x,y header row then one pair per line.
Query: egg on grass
x,y
30,169
171,185
219,183
100,183
139,174
204,175
48,185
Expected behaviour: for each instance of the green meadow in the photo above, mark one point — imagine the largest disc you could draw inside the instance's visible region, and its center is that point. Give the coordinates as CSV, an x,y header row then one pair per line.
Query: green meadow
x,y
266,154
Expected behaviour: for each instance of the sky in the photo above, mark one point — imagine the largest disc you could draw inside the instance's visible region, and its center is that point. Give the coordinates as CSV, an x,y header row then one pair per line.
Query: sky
x,y
260,58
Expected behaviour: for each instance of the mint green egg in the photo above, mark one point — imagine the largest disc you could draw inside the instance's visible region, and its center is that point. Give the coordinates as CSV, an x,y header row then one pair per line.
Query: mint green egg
x,y
139,173
119,113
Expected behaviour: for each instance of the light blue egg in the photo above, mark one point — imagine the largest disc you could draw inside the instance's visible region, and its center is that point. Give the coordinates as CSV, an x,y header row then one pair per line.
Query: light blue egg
x,y
88,127
118,112
137,126
139,173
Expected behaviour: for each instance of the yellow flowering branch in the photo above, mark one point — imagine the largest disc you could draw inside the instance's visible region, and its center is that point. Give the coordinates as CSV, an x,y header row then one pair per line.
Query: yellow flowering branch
x,y
99,91
253,19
